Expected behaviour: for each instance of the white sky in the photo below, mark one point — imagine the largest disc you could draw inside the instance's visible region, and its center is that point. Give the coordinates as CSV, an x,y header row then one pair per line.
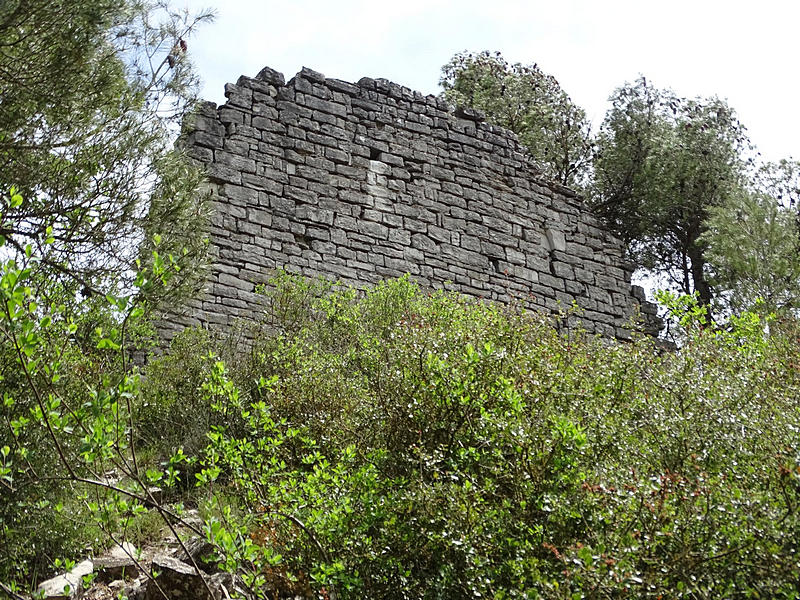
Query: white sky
x,y
744,51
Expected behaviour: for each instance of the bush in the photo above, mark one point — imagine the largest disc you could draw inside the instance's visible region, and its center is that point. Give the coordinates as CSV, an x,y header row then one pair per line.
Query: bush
x,y
400,444
70,480
55,380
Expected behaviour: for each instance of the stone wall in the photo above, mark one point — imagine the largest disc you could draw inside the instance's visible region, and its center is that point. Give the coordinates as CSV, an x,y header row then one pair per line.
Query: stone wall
x,y
361,182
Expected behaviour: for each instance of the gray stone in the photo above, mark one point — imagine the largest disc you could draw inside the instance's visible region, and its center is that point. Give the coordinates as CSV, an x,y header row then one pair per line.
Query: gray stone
x,y
111,568
176,580
362,181
271,76
311,75
556,240
201,551
66,586
471,114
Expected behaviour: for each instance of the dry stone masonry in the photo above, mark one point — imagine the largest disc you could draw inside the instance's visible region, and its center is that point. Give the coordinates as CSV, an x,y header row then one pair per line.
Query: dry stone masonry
x,y
367,181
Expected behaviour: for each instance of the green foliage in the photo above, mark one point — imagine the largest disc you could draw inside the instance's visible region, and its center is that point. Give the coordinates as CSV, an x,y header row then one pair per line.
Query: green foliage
x,y
753,245
92,91
528,102
399,444
102,221
663,163
172,413
67,415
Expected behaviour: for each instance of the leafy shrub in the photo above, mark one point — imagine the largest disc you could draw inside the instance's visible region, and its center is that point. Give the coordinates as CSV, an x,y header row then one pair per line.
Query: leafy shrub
x,y
398,444
401,445
54,379
70,480
171,413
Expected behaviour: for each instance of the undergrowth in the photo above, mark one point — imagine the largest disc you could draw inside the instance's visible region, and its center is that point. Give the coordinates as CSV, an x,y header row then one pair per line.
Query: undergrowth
x,y
400,444
403,444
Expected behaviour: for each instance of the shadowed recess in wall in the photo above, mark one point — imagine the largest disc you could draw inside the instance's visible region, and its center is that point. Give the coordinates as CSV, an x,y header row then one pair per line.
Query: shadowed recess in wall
x,y
361,182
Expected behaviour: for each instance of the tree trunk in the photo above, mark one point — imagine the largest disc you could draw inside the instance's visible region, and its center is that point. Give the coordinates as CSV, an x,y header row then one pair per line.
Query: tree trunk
x,y
699,281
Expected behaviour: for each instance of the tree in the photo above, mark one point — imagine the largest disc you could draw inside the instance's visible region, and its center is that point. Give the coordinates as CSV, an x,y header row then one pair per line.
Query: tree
x,y
530,103
662,164
94,206
753,244
91,94
67,418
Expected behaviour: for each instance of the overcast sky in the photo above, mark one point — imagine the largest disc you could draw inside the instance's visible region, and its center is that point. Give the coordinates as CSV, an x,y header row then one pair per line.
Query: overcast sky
x,y
745,52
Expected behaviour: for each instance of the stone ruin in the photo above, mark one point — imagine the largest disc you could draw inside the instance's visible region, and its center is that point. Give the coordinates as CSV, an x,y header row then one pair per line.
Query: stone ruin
x,y
366,181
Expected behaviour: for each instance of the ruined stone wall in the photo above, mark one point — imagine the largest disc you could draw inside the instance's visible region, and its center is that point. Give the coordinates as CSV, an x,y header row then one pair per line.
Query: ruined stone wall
x,y
361,182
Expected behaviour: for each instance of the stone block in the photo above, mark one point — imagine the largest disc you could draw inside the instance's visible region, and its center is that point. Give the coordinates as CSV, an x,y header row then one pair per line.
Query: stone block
x,y
439,234
230,281
563,270
112,568
67,586
173,578
375,230
556,240
315,215
271,76
367,180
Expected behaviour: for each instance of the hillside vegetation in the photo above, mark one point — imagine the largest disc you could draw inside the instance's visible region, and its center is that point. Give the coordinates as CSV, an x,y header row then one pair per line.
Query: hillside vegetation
x,y
399,444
